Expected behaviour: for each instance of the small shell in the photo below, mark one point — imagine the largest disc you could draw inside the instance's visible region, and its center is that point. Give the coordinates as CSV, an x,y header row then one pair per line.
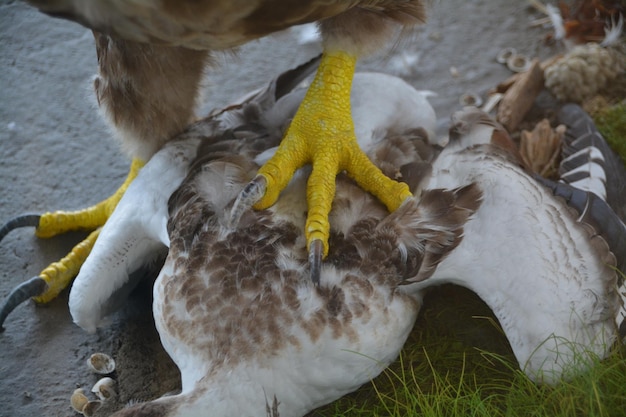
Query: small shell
x,y
90,408
504,55
105,389
79,400
518,63
101,363
469,99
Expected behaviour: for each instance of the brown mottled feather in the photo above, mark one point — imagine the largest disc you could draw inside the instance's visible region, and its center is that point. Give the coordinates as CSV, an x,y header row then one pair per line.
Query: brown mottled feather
x,y
241,266
221,24
242,298
437,219
406,157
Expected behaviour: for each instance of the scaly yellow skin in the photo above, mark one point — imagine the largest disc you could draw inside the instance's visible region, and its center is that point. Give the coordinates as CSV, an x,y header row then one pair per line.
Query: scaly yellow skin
x,y
59,274
322,133
52,224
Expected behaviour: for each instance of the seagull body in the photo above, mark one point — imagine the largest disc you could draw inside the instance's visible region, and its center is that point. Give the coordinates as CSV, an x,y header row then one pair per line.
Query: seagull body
x,y
253,336
139,226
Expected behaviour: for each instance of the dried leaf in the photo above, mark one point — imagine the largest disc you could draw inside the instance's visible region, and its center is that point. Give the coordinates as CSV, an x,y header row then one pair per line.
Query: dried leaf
x,y
541,148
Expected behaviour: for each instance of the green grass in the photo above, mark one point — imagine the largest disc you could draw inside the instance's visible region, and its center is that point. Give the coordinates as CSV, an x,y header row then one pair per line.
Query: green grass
x,y
457,362
611,122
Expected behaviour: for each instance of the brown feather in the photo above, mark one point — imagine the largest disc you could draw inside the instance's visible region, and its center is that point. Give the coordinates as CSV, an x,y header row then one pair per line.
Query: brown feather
x,y
432,226
147,92
222,24
257,269
405,157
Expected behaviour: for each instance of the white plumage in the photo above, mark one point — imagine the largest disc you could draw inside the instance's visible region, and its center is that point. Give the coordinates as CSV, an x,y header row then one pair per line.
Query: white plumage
x,y
544,274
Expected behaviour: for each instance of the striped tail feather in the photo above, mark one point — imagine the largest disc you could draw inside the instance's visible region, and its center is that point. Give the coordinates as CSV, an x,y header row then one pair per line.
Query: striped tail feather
x,y
588,163
593,182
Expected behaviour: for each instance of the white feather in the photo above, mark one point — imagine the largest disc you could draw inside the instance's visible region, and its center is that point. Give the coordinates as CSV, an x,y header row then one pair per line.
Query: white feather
x,y
557,21
134,234
613,32
530,262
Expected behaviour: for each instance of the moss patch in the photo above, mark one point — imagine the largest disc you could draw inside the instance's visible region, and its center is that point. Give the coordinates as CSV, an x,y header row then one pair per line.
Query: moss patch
x,y
611,122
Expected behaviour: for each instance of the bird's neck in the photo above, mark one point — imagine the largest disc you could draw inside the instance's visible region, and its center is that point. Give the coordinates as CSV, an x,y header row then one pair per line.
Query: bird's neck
x,y
226,394
196,403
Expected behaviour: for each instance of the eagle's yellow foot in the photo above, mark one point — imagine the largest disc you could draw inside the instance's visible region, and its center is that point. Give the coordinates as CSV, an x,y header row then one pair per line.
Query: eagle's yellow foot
x,y
57,276
59,222
322,134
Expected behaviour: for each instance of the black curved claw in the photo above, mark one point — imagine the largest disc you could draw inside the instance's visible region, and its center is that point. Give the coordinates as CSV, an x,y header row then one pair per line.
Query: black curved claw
x,y
251,193
31,288
315,261
24,220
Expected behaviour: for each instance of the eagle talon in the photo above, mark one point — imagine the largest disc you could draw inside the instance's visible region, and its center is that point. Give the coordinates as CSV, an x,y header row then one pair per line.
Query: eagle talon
x,y
58,275
52,280
33,287
248,197
91,218
322,134
25,220
316,250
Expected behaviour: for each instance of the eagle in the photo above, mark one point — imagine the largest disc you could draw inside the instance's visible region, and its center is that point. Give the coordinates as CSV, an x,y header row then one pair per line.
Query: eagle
x,y
152,56
253,335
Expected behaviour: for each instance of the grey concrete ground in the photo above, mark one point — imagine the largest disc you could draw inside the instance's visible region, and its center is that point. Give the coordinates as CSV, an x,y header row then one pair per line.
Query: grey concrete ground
x,y
56,153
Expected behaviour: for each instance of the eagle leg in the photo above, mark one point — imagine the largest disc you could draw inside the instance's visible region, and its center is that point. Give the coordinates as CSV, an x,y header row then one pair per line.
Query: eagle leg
x,y
322,134
58,275
59,222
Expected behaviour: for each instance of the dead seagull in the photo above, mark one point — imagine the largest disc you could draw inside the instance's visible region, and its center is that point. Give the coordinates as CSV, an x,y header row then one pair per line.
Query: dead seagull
x,y
236,313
